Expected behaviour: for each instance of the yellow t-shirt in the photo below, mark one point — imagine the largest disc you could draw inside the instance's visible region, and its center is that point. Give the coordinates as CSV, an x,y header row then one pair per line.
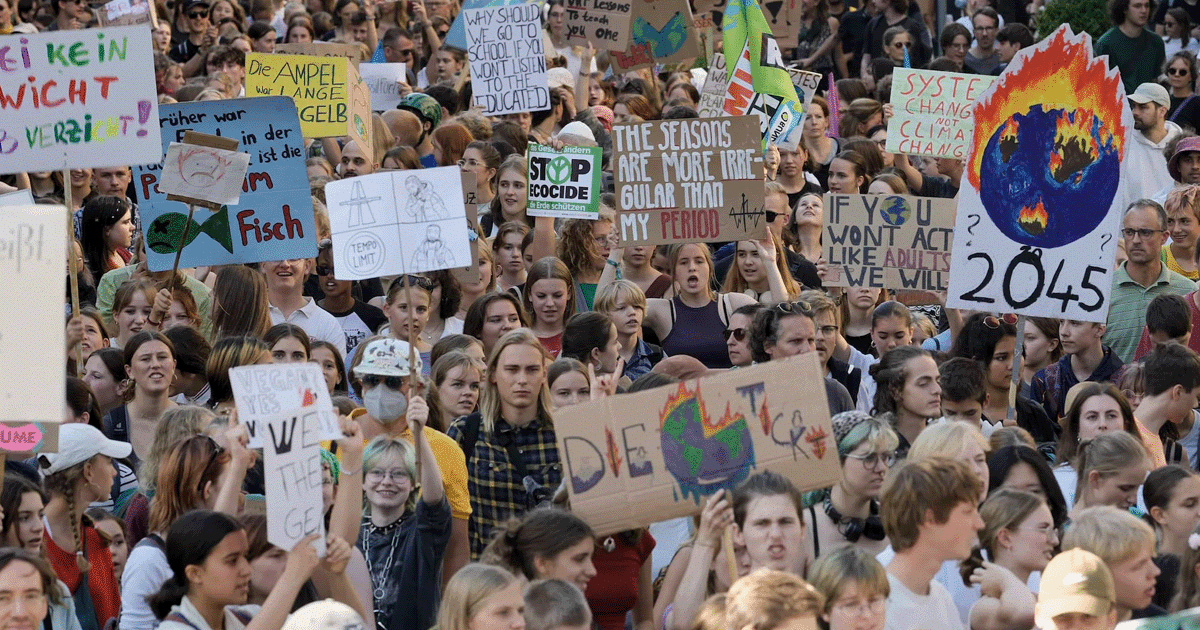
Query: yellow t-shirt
x,y
452,463
1168,259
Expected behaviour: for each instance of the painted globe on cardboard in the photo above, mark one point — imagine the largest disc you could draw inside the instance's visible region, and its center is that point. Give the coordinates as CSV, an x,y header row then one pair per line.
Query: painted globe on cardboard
x,y
704,459
1047,178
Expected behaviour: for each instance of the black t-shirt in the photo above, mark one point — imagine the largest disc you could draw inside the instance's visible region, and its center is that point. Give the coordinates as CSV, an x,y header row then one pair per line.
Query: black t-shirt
x,y
184,51
1185,112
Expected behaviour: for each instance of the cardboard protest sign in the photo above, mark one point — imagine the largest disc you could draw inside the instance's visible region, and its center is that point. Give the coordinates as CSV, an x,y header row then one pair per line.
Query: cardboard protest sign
x,y
660,32
604,23
77,99
127,13
893,241
456,37
398,222
712,93
640,458
714,101
323,49
320,86
293,479
933,112
673,185
784,17
564,183
1043,189
381,80
469,274
507,59
262,392
273,219
33,246
203,173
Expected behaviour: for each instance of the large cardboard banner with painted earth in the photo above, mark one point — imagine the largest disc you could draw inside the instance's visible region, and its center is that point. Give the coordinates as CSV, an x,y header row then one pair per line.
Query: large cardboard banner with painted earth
x,y
1043,189
635,459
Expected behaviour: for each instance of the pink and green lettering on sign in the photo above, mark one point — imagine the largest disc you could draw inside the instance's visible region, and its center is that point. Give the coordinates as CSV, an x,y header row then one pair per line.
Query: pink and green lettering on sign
x,y
77,99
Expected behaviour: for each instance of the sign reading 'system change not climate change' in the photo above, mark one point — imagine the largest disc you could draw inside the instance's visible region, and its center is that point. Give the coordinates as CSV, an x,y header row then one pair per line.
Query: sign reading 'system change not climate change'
x,y
689,180
77,99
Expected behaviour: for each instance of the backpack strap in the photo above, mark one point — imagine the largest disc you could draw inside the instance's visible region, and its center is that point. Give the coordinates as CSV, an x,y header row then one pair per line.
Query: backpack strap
x,y
470,436
1179,110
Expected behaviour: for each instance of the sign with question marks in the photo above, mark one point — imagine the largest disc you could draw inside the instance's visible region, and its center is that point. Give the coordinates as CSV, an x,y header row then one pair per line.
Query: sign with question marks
x,y
1042,191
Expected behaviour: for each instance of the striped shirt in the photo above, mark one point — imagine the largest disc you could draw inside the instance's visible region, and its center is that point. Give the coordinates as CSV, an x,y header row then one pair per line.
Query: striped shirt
x,y
1127,313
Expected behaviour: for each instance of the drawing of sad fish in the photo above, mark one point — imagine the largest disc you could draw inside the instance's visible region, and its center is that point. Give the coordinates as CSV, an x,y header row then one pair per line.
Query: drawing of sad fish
x,y
164,233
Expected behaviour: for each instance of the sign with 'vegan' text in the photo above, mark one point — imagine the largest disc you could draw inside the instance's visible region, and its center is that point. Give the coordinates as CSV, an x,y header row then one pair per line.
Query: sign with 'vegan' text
x,y
933,112
77,99
507,59
640,458
689,180
892,241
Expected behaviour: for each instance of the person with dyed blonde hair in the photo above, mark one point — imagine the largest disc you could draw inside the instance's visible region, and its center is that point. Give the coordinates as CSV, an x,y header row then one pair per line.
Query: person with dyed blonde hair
x,y
1183,223
1126,544
625,303
854,587
482,592
768,599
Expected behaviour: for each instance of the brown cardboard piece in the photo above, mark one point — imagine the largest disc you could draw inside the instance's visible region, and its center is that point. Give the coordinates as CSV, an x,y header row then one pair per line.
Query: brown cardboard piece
x,y
783,16
213,142
654,32
604,23
894,241
470,274
320,49
28,438
632,460
127,13
359,118
706,188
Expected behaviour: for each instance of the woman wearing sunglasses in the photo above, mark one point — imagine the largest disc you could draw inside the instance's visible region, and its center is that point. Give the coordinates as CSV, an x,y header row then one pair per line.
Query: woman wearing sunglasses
x,y
848,512
195,473
991,340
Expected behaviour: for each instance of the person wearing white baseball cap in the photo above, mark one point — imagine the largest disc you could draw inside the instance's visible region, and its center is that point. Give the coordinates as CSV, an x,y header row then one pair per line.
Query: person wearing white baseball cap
x,y
80,473
1144,163
1076,593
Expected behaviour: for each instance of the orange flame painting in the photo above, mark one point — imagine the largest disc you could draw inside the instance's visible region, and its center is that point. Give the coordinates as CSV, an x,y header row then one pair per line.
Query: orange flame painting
x,y
614,453
1033,220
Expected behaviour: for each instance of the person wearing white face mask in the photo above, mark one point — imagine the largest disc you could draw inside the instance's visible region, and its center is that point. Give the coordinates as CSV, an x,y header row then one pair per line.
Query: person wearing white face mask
x,y
391,400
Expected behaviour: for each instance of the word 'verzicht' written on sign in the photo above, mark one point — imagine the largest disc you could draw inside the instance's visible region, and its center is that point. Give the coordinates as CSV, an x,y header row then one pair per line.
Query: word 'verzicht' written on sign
x,y
507,58
564,183
888,241
77,99
689,180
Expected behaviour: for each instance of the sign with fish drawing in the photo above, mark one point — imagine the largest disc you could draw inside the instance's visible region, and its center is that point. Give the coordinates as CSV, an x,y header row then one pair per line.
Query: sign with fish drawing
x,y
273,217
1042,192
640,458
398,222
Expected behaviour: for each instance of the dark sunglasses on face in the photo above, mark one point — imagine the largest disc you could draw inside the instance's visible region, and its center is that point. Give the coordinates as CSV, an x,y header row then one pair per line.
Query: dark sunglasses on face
x,y
198,14
373,380
771,216
324,270
737,333
1177,72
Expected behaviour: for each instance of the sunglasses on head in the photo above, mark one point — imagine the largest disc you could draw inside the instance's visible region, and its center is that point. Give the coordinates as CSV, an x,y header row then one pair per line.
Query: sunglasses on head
x,y
991,321
413,281
373,380
737,333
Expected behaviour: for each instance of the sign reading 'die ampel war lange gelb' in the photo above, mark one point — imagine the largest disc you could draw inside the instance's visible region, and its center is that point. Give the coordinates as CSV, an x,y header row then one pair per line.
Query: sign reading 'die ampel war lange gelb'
x,y
640,458
888,241
77,99
689,180
933,112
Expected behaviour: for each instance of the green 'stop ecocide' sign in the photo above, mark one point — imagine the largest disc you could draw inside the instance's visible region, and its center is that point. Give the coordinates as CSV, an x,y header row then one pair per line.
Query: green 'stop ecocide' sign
x,y
564,183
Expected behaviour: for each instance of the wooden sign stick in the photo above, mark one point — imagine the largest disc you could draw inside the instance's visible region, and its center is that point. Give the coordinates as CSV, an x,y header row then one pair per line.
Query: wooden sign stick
x,y
73,264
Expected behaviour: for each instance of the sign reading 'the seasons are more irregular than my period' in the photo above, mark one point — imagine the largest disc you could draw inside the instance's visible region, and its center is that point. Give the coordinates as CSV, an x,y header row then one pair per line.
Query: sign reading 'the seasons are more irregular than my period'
x,y
77,99
1043,188
689,180
640,458
896,241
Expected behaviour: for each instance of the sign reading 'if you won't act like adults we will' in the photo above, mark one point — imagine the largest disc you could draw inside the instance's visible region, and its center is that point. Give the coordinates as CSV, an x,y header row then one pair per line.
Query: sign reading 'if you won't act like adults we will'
x,y
895,241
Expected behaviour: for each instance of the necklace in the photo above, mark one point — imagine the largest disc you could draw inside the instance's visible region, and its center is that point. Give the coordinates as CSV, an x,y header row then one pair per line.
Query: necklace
x,y
378,580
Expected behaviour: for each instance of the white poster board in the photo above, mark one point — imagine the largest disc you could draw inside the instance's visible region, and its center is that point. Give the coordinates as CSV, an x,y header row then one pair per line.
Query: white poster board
x,y
20,197
292,451
507,59
382,82
205,173
398,222
1042,193
264,391
33,255
78,99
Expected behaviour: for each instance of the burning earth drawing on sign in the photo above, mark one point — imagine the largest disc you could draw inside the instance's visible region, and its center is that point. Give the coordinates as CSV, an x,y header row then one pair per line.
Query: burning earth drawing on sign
x,y
704,455
1048,144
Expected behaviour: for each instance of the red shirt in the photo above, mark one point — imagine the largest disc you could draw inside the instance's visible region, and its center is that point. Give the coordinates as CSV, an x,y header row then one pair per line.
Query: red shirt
x,y
1144,345
614,590
105,592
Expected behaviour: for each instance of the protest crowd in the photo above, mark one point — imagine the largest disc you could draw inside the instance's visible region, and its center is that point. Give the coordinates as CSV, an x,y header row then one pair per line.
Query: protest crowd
x,y
566,244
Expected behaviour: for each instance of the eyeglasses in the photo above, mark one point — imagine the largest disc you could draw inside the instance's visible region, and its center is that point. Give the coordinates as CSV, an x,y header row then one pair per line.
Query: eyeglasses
x,y
993,322
395,474
827,331
470,162
860,608
1142,232
871,461
737,333
373,380
1044,530
771,216
412,280
1177,72
198,14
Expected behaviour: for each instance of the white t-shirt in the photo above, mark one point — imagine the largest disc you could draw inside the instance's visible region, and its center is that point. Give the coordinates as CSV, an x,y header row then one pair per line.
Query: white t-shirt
x,y
146,571
908,611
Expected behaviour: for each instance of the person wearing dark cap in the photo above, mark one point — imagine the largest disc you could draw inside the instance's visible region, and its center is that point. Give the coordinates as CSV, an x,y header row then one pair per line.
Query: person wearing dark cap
x,y
1144,160
430,113
202,36
1076,593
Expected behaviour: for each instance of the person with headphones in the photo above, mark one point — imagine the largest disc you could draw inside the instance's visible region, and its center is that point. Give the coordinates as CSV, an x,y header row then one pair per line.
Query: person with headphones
x,y
848,512
429,112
